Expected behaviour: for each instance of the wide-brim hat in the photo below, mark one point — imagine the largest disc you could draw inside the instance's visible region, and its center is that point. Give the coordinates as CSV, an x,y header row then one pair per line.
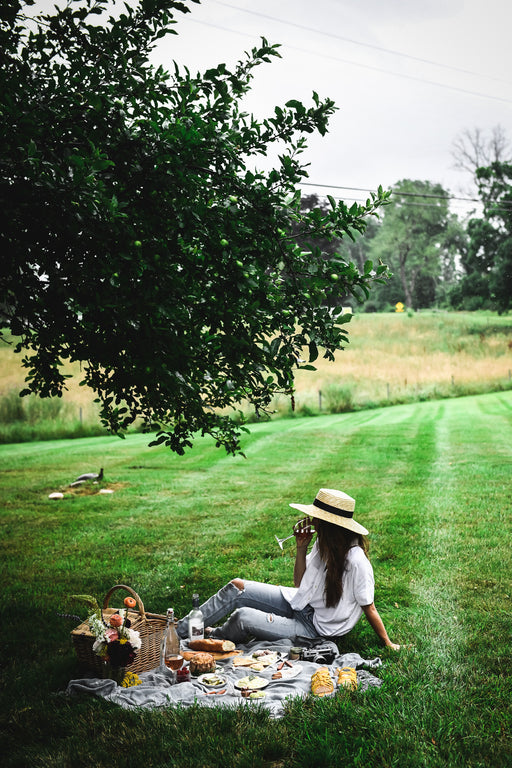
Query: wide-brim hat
x,y
333,507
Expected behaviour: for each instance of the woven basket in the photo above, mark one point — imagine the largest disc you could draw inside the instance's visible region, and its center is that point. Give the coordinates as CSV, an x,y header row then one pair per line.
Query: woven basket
x,y
150,626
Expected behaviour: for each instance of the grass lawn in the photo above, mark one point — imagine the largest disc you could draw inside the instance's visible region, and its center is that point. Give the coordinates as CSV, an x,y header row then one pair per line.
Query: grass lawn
x,y
432,484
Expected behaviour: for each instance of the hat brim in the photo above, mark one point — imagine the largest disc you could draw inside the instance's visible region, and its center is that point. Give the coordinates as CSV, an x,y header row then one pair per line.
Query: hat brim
x,y
329,517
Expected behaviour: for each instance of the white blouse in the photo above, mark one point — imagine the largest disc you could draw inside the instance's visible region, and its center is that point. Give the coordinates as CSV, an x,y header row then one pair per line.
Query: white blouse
x,y
358,590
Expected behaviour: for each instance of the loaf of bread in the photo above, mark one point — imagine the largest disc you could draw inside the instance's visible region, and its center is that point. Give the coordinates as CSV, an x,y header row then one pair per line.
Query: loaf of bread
x,y
211,645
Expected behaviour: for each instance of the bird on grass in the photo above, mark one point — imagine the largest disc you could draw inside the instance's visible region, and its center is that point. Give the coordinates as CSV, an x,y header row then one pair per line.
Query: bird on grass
x,y
87,476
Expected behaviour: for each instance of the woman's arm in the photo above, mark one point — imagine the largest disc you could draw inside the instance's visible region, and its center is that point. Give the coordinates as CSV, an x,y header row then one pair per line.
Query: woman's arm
x,y
300,565
303,538
377,625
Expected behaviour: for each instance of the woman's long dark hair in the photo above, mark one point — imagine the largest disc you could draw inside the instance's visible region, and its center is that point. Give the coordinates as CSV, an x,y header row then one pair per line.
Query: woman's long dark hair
x,y
334,543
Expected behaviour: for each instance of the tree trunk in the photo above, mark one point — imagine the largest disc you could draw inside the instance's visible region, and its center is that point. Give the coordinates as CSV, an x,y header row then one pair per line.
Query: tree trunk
x,y
407,289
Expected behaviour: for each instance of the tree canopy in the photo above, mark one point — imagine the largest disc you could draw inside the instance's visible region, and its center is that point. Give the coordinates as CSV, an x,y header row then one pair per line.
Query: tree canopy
x,y
488,264
139,236
417,238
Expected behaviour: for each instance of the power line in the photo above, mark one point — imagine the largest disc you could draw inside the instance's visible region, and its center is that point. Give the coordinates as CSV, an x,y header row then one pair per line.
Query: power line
x,y
360,43
504,203
502,207
365,66
418,205
405,194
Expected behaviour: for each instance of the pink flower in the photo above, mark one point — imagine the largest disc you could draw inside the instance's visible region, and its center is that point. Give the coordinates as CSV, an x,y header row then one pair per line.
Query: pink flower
x,y
111,635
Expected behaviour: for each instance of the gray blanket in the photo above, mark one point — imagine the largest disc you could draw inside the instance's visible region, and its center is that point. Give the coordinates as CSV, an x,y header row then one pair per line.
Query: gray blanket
x,y
158,689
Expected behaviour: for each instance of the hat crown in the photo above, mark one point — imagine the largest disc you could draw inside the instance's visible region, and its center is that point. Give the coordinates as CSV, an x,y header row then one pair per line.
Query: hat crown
x,y
334,507
337,499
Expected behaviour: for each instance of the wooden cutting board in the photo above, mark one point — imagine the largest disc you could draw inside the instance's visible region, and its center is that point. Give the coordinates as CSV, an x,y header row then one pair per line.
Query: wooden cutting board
x,y
187,655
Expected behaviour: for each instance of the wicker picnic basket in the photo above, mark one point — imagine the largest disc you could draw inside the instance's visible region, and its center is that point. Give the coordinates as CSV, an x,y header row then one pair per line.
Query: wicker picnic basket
x,y
150,626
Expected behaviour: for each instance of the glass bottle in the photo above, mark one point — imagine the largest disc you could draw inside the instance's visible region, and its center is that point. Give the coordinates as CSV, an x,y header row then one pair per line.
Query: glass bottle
x,y
170,648
195,620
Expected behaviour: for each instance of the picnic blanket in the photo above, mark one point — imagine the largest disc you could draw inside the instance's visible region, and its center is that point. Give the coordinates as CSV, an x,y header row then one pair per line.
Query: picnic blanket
x,y
158,689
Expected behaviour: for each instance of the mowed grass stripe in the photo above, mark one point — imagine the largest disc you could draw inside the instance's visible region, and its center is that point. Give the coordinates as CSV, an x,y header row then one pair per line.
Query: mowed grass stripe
x,y
430,482
448,693
454,638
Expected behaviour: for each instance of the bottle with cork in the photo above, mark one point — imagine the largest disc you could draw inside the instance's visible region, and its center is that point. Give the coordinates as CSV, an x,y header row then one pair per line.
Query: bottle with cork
x,y
170,649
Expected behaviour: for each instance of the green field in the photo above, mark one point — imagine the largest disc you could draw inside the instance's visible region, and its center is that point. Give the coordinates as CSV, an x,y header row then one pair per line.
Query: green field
x,y
432,484
391,359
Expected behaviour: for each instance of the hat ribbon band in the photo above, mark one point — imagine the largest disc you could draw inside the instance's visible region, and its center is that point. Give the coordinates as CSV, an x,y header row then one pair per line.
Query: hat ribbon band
x,y
332,510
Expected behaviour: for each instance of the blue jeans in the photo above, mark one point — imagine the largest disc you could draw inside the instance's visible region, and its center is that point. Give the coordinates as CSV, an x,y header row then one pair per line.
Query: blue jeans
x,y
257,610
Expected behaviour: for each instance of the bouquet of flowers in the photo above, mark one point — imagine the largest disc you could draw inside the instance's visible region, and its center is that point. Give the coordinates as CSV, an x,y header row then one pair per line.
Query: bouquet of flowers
x,y
115,641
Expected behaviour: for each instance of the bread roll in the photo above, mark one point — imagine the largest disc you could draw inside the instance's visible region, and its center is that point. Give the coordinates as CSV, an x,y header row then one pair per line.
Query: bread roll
x,y
211,644
201,663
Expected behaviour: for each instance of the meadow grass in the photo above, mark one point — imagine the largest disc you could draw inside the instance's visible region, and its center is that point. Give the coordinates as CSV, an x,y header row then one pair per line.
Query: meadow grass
x,y
432,484
401,358
392,358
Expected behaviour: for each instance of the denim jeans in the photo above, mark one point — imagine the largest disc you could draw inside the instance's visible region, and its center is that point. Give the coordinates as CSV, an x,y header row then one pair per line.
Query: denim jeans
x,y
258,610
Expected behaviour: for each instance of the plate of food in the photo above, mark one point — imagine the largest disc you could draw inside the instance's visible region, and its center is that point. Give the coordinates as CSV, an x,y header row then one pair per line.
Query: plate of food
x,y
266,656
212,680
251,681
287,673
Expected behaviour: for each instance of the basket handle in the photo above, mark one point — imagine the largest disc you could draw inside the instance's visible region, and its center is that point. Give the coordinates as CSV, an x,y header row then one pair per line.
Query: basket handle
x,y
132,593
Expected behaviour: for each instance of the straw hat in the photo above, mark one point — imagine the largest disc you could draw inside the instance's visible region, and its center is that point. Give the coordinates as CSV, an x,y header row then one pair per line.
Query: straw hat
x,y
333,507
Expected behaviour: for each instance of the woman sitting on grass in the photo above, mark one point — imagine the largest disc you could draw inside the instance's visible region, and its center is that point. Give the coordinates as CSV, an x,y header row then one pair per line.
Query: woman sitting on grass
x,y
334,584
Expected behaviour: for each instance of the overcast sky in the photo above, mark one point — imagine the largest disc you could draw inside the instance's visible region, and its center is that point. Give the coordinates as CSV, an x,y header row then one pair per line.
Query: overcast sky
x,y
407,75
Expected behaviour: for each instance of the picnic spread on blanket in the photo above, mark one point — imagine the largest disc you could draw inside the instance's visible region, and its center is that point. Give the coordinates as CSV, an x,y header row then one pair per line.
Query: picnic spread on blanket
x,y
128,660
240,677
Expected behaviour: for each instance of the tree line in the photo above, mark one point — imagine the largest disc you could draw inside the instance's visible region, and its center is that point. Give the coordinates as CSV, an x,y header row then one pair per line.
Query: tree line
x,y
436,258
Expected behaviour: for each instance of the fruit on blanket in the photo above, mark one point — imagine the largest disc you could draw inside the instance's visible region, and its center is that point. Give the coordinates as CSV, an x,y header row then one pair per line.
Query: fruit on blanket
x,y
201,663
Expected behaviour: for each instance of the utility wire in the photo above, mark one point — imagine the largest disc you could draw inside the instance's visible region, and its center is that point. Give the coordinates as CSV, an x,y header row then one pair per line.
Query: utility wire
x,y
360,43
415,205
503,203
365,66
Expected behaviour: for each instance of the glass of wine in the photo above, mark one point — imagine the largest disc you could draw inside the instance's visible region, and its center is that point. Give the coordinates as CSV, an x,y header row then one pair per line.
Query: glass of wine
x,y
174,661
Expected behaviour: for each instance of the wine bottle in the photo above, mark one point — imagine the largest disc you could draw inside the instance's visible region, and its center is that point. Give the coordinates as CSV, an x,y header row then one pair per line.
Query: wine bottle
x,y
195,620
170,648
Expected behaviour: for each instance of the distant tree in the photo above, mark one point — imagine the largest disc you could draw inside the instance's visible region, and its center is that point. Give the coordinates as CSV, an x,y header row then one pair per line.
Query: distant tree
x,y
415,239
137,236
486,158
473,149
489,259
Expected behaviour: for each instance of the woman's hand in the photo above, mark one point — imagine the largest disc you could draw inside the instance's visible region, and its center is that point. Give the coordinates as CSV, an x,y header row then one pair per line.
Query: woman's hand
x,y
303,533
378,627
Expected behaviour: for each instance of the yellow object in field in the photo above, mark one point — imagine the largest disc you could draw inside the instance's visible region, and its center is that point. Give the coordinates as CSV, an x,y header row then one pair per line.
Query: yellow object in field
x,y
347,678
321,683
399,307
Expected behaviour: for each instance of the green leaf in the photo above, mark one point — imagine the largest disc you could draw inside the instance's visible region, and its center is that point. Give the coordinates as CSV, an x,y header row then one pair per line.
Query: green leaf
x,y
313,352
